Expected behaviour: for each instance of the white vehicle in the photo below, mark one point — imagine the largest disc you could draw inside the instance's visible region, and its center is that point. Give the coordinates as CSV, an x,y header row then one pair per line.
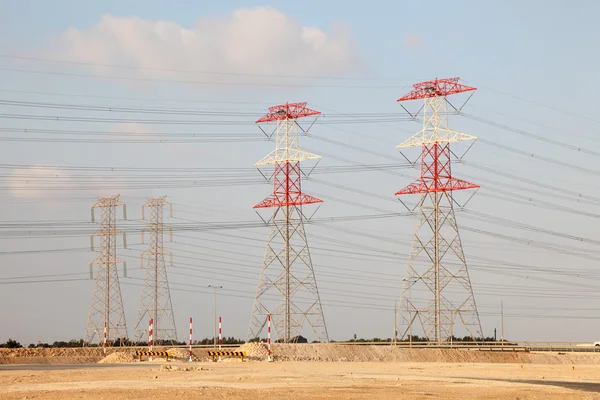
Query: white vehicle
x,y
596,344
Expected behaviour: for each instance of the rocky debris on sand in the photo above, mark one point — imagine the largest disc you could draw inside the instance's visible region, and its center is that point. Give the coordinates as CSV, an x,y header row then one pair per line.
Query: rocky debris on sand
x,y
182,369
254,350
118,357
181,354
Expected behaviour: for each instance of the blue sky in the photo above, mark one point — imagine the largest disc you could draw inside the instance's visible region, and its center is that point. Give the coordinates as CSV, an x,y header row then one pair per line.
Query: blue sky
x,y
534,65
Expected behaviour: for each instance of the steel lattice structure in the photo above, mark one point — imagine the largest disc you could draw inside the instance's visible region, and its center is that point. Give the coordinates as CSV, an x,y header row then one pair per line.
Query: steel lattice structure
x,y
437,262
107,303
287,270
155,302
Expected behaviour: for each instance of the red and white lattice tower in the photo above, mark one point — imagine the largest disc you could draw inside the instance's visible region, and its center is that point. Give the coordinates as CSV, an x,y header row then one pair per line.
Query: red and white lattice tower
x,y
287,272
437,262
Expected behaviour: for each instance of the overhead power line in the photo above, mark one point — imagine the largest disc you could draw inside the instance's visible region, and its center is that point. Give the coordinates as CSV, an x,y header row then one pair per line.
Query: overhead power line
x,y
199,82
195,71
533,136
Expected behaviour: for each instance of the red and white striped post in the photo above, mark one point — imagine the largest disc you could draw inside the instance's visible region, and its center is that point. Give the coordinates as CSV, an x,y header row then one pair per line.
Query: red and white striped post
x,y
190,339
150,336
104,345
220,336
269,359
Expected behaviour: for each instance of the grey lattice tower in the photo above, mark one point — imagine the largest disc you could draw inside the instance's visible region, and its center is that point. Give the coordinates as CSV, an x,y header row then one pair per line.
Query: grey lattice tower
x,y
437,295
287,289
155,302
107,303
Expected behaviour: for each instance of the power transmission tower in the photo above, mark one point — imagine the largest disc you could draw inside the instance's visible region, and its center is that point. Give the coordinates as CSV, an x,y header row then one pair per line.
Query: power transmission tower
x,y
437,262
107,303
287,270
155,302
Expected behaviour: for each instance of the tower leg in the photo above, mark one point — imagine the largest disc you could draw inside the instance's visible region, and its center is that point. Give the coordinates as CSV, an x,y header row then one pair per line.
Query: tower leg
x,y
287,272
155,302
437,265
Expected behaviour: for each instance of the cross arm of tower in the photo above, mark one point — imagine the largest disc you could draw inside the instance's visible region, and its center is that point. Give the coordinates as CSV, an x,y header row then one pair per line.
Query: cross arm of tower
x,y
275,201
287,111
436,87
154,251
156,201
441,135
283,155
107,232
157,227
426,186
108,202
103,261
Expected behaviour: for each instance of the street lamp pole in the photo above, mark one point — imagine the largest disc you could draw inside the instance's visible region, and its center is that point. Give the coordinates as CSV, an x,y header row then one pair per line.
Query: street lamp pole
x,y
215,294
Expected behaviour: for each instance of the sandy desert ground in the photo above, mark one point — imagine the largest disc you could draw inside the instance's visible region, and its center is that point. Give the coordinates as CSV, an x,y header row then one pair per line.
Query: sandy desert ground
x,y
305,380
325,371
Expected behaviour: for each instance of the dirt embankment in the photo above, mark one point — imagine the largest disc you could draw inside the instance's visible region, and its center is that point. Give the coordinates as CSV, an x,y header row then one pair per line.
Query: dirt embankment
x,y
299,352
176,354
74,355
88,355
354,353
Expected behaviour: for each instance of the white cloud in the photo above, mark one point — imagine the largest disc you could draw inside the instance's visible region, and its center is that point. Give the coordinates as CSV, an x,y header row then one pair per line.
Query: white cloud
x,y
258,40
33,182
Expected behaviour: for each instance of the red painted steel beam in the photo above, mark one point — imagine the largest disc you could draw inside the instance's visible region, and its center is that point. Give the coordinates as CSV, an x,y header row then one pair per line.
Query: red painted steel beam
x,y
287,188
436,87
275,201
436,175
451,184
287,111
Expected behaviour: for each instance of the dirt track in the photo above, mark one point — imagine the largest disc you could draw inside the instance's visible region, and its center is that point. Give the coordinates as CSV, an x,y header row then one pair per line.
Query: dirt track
x,y
307,380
